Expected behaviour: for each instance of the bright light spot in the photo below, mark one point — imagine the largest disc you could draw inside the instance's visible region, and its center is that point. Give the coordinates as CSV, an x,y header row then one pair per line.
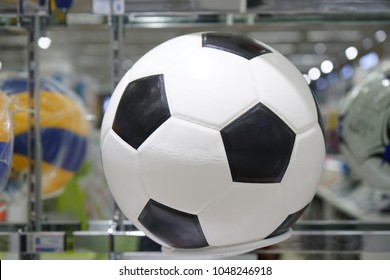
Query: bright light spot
x,y
44,42
307,78
0,65
380,36
385,82
351,53
314,73
369,60
326,66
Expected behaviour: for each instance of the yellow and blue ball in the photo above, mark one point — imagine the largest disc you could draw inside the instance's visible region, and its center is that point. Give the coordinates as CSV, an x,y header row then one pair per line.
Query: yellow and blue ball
x,y
6,140
64,131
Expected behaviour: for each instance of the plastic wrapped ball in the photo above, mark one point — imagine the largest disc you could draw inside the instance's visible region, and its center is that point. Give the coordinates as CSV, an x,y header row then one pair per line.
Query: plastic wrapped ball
x,y
63,128
6,140
364,128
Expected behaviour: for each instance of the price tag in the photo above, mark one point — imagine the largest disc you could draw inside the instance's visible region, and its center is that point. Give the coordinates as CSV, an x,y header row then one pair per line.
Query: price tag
x,y
102,7
48,242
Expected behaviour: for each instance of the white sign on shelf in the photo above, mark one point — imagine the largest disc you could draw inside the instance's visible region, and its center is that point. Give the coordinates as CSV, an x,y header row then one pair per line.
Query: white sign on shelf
x,y
48,242
102,7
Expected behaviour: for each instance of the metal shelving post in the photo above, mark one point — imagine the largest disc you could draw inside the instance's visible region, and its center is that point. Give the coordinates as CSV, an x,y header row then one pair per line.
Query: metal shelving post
x,y
32,239
34,139
34,175
115,21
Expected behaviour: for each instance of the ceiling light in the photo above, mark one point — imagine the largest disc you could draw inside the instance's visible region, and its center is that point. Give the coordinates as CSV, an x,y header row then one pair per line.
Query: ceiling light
x,y
351,53
314,73
44,42
326,66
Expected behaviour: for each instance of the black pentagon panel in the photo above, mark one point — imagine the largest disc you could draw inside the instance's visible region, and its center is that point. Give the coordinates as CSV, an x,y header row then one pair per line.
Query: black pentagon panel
x,y
288,222
176,228
233,43
258,146
141,110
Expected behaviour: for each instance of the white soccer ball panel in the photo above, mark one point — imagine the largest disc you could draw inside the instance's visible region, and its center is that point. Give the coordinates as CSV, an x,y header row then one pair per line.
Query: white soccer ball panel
x,y
161,58
185,165
210,87
122,171
282,88
241,214
156,61
303,174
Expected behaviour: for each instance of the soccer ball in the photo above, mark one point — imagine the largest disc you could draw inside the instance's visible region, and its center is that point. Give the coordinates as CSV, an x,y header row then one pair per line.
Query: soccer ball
x,y
364,128
64,130
212,144
6,140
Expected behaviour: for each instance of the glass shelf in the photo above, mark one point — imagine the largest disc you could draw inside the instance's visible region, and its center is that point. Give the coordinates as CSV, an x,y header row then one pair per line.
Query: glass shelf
x,y
310,239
